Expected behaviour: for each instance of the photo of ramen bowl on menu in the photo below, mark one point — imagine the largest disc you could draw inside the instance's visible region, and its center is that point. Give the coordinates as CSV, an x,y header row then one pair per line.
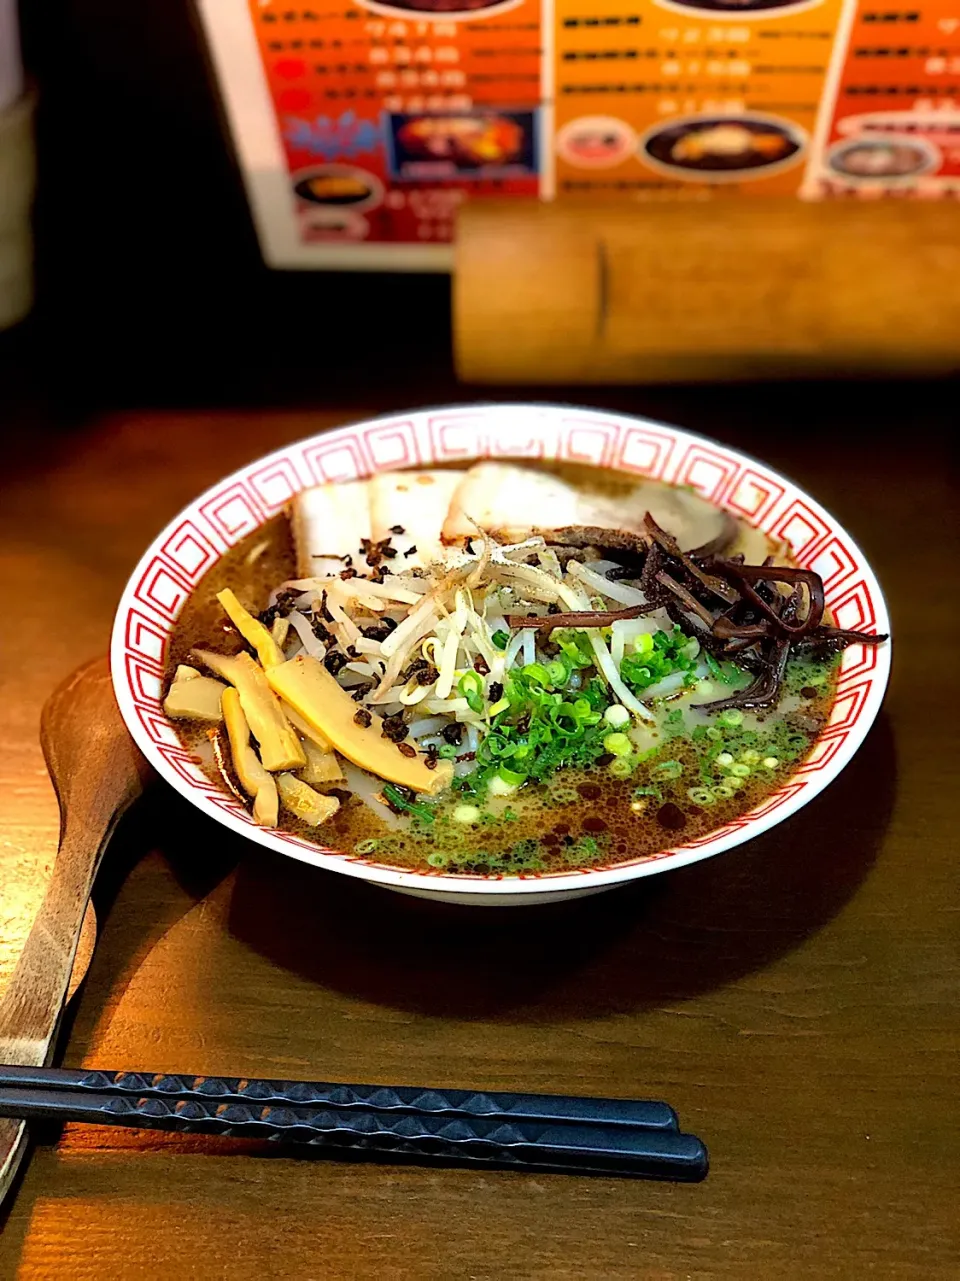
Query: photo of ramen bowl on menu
x,y
718,147
884,159
596,142
338,187
734,7
473,144
499,679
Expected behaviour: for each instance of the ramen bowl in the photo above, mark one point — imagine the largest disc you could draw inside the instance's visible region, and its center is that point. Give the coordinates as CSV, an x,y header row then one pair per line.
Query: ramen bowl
x,y
174,565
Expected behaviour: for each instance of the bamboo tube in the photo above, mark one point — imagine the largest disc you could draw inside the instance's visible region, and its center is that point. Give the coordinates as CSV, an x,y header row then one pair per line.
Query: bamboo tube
x,y
595,293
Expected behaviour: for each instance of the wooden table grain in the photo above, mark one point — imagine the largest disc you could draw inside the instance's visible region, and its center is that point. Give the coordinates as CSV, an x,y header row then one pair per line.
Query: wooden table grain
x,y
795,999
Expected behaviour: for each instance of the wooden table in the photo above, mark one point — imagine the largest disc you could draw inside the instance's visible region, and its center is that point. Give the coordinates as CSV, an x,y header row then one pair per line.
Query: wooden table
x,y
796,999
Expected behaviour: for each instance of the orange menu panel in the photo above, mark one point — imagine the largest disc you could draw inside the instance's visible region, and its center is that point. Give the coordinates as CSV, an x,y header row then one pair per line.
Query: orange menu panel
x,y
657,99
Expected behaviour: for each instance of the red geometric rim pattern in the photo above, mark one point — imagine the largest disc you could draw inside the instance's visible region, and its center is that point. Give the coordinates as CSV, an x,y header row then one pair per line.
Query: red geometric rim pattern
x,y
243,502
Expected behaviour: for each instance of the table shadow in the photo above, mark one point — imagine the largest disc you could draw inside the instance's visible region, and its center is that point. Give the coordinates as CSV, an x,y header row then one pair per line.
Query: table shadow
x,y
661,940
159,821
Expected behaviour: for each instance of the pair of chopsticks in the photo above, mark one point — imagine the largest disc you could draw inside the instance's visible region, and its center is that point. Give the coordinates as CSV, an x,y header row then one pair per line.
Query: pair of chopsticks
x,y
535,1131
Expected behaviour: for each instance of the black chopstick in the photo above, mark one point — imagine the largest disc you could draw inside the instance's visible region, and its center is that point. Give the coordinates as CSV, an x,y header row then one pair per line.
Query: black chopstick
x,y
569,1145
419,1100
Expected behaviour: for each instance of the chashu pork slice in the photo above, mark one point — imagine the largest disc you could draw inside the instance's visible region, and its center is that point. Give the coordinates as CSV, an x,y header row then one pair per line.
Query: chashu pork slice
x,y
511,500
517,501
415,502
329,523
691,519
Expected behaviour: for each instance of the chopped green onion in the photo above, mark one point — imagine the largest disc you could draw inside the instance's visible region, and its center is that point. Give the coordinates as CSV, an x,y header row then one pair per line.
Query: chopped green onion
x,y
565,719
730,719
470,687
713,667
617,716
511,776
618,744
620,767
740,771
500,706
700,795
669,769
584,712
447,752
536,672
595,692
501,639
436,859
770,762
725,672
725,758
674,726
575,647
397,798
368,846
557,672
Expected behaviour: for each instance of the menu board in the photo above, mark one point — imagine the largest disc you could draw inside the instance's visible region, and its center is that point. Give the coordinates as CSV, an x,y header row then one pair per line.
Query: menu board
x,y
890,125
360,126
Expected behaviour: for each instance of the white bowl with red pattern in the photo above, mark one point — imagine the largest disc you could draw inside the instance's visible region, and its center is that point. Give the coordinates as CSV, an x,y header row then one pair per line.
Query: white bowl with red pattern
x,y
193,542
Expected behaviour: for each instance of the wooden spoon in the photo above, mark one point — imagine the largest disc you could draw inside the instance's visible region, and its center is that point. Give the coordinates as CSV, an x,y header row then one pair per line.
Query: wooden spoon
x,y
97,773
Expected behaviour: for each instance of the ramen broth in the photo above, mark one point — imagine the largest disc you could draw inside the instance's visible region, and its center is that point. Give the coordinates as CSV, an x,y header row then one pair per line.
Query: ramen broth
x,y
696,771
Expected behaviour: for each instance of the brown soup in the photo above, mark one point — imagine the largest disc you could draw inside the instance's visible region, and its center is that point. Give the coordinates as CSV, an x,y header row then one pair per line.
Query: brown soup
x,y
696,773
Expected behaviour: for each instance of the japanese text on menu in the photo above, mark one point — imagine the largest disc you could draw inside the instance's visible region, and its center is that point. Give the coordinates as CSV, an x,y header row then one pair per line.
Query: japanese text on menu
x,y
390,114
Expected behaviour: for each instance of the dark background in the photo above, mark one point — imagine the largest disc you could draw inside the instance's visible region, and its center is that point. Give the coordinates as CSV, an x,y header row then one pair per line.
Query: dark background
x,y
151,290
150,284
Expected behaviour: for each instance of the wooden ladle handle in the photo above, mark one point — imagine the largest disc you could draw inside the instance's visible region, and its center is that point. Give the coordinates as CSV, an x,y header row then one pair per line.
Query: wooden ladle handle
x,y
97,773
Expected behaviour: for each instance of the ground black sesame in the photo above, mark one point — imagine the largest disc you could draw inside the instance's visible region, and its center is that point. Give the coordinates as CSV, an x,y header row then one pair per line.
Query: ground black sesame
x,y
394,727
378,631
